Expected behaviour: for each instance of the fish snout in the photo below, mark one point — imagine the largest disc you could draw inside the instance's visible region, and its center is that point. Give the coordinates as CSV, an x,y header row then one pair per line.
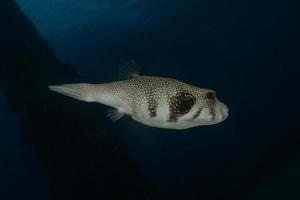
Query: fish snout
x,y
224,111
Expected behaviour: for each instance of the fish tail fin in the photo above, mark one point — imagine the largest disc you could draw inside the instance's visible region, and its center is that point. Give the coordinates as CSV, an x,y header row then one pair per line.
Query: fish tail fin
x,y
80,91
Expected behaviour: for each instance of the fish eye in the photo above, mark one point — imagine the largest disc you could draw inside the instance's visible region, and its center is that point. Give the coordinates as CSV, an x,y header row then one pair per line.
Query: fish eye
x,y
210,95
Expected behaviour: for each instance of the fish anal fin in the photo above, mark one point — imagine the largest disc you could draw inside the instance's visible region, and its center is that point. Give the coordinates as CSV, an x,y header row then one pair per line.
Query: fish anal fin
x,y
129,70
114,114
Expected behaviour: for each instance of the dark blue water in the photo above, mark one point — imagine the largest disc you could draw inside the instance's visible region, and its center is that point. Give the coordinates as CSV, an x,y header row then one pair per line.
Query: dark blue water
x,y
21,175
248,51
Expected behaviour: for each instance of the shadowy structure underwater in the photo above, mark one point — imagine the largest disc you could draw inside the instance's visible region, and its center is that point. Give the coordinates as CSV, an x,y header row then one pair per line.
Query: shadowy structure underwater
x,y
80,155
247,50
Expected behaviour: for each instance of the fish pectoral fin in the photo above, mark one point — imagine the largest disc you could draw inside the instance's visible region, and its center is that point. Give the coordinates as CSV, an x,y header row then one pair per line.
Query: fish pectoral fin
x,y
114,114
129,70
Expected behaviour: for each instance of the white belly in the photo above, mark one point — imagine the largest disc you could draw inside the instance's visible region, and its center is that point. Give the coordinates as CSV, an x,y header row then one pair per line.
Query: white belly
x,y
161,120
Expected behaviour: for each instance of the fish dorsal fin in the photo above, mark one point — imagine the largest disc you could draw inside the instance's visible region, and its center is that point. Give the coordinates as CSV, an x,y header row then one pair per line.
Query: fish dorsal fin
x,y
129,70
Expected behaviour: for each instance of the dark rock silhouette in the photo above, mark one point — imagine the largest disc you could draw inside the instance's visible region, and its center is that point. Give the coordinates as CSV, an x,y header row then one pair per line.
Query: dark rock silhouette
x,y
80,155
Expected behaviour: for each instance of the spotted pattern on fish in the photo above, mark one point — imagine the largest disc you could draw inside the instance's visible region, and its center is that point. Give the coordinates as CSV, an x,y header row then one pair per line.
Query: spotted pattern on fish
x,y
152,104
154,101
197,113
212,111
180,104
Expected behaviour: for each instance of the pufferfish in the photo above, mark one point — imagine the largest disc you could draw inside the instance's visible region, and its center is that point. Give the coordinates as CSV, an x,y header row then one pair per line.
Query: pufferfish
x,y
154,101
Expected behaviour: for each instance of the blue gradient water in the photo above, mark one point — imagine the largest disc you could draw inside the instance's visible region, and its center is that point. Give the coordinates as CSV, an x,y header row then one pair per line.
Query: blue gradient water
x,y
21,174
246,51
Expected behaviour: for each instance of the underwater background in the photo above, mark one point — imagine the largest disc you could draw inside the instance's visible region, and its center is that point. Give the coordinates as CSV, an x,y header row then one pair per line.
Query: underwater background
x,y
54,147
